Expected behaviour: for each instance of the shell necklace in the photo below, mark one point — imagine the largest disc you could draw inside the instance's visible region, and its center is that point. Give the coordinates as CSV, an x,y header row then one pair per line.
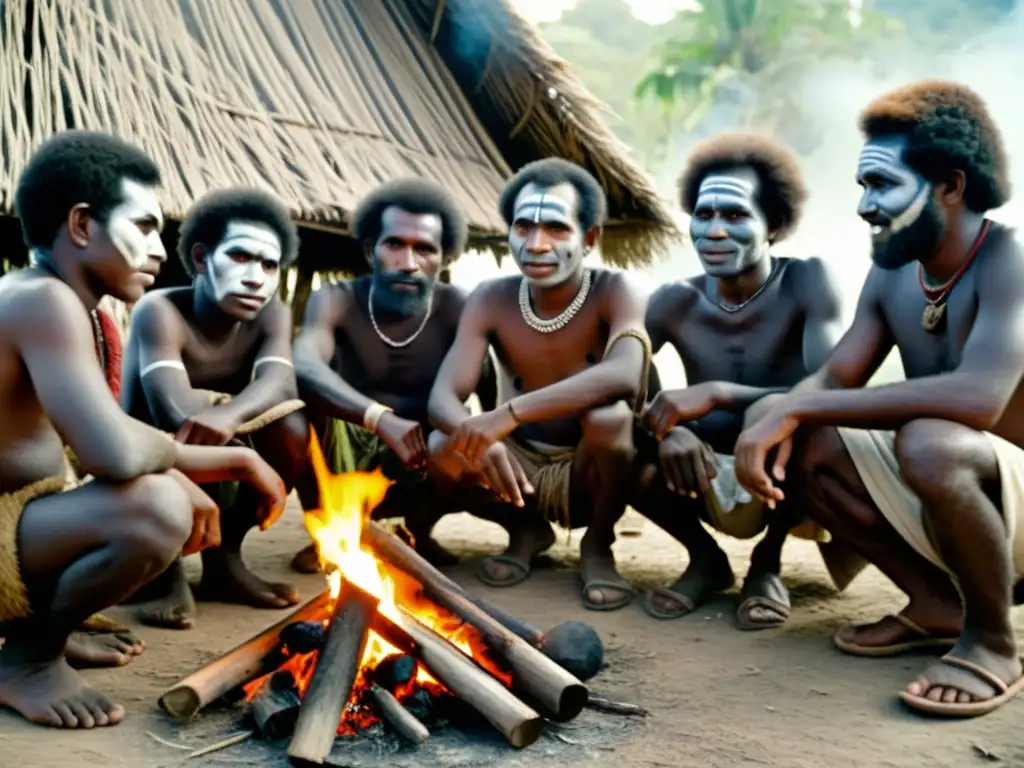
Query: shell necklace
x,y
391,342
560,321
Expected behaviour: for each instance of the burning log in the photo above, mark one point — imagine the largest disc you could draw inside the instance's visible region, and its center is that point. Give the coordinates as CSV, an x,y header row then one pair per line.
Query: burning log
x,y
563,695
520,724
391,710
275,707
255,657
336,668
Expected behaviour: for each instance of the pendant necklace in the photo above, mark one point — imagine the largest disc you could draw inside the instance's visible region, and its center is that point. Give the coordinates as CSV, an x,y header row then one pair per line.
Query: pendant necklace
x,y
391,342
560,321
936,298
733,308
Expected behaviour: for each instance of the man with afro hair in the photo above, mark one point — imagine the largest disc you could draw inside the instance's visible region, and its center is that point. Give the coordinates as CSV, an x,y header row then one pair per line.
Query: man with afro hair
x,y
752,325
371,347
90,214
924,478
571,345
212,364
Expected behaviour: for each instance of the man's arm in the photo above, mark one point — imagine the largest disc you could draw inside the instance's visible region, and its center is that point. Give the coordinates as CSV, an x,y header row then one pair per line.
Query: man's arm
x,y
315,349
157,332
56,345
975,394
617,376
463,367
273,374
823,311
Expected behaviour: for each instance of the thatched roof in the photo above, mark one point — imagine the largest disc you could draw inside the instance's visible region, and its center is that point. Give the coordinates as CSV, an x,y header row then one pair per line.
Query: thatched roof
x,y
319,100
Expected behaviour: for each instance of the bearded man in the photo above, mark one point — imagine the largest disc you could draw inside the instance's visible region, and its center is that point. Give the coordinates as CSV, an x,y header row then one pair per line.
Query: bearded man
x,y
925,478
570,340
754,324
89,211
369,352
212,363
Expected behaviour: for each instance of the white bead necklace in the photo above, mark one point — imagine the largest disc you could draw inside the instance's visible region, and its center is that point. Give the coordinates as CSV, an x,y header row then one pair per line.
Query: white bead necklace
x,y
391,342
561,320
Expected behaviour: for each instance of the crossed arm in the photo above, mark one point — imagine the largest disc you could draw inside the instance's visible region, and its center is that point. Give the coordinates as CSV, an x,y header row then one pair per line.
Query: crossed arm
x,y
159,333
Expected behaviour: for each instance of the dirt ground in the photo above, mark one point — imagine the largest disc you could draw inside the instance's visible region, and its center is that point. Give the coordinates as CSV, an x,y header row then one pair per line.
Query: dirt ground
x,y
718,697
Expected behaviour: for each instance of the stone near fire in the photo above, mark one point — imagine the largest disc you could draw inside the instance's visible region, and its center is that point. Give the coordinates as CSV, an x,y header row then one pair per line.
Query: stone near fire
x,y
576,648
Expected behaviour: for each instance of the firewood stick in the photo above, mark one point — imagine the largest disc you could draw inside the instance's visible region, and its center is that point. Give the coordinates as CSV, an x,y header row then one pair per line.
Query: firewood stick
x,y
245,662
557,691
275,707
390,709
520,724
336,668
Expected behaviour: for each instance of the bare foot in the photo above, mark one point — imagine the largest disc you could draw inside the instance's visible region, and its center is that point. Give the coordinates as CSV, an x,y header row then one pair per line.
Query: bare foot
x,y
942,682
51,693
90,649
226,579
307,560
701,580
512,566
901,632
167,601
603,588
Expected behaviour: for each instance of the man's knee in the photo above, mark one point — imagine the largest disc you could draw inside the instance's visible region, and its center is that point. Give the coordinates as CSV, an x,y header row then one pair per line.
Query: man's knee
x,y
285,445
609,429
818,449
934,455
155,517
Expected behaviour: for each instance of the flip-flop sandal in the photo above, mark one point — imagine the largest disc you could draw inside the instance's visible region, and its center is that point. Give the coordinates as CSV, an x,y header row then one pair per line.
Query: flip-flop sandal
x,y
520,568
628,593
687,603
972,708
773,596
926,641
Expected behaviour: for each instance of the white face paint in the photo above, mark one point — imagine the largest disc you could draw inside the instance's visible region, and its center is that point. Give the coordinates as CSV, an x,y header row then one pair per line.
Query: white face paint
x,y
546,240
246,264
135,225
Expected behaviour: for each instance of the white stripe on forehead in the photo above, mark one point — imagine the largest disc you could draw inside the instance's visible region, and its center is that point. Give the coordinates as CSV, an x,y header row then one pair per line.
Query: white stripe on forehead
x,y
725,185
540,203
874,153
257,239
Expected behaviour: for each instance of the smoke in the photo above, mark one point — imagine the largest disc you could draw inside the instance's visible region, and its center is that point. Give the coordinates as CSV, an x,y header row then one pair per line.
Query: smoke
x,y
989,63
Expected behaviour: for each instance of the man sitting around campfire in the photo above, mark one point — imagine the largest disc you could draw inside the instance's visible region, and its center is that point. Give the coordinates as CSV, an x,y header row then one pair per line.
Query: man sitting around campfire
x,y
370,349
754,324
212,364
89,211
925,478
571,341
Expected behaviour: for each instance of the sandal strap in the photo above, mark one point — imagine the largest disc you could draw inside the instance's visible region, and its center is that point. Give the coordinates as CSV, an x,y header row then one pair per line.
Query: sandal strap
x,y
978,671
911,625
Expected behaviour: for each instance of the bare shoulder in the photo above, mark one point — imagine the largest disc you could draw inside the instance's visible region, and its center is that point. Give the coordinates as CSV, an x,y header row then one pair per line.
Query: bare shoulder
x,y
811,282
449,301
35,307
329,304
275,317
1003,264
157,317
672,302
495,288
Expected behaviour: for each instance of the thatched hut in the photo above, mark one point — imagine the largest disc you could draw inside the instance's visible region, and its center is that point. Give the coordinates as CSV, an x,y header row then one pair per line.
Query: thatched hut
x,y
318,100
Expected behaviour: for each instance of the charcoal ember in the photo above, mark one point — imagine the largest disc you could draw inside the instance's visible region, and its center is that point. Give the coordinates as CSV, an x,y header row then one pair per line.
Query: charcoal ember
x,y
576,648
394,671
420,703
283,680
303,636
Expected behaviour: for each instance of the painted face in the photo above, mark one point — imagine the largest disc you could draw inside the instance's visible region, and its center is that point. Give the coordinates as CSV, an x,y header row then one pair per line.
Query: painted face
x,y
134,225
905,217
406,260
245,268
728,228
546,239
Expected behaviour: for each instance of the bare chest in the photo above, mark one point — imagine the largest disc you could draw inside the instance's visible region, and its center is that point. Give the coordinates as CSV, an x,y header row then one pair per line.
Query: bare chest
x,y
370,363
224,366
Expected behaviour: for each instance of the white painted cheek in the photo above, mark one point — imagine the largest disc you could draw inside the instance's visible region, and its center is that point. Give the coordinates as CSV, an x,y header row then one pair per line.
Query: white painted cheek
x,y
155,246
913,211
129,241
226,276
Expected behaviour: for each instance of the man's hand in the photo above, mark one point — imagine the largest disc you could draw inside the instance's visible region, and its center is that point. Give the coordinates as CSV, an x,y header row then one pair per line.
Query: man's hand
x,y
775,428
504,474
475,436
205,517
405,438
268,484
760,407
688,463
212,426
670,407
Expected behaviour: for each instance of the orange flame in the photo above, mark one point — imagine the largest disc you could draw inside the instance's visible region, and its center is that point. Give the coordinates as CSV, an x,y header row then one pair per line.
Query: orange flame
x,y
346,503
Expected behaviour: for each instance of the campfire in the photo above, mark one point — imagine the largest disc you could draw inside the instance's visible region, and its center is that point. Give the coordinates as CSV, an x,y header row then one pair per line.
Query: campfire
x,y
388,638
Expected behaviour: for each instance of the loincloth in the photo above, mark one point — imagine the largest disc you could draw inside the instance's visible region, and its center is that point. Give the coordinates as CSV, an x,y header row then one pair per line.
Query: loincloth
x,y
549,470
14,602
348,447
874,455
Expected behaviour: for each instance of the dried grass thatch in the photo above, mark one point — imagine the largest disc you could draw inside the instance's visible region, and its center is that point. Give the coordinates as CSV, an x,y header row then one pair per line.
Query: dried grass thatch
x,y
319,100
